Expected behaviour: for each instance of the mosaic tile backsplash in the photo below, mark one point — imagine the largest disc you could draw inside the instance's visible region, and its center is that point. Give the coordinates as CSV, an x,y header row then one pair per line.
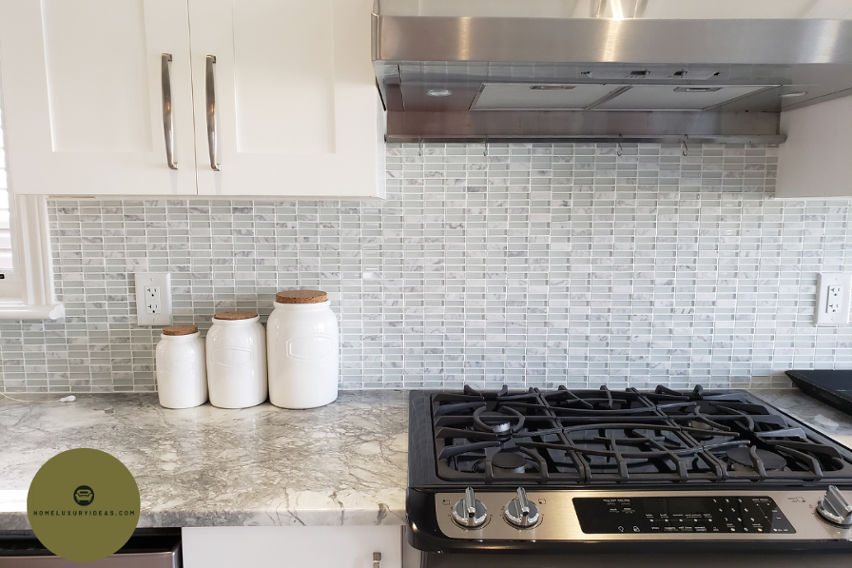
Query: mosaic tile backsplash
x,y
525,264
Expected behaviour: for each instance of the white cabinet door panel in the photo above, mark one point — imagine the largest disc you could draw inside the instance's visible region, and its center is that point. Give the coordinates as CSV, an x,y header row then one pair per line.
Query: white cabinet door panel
x,y
88,68
814,161
284,104
82,93
275,547
296,106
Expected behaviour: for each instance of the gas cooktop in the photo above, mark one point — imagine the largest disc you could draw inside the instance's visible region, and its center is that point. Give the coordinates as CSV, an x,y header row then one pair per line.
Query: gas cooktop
x,y
565,466
590,437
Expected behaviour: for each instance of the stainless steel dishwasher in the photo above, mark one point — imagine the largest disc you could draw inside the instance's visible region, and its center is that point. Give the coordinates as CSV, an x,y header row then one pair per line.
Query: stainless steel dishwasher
x,y
147,548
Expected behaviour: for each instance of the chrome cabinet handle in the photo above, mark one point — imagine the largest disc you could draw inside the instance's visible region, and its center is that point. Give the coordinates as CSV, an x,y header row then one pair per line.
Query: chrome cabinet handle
x,y
212,140
168,120
377,560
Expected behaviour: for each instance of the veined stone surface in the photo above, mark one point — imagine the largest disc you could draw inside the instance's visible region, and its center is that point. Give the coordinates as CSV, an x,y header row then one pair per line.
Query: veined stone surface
x,y
345,463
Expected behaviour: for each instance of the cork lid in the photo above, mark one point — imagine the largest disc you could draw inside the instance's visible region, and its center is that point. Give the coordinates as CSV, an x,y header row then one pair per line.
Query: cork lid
x,y
180,329
301,297
235,316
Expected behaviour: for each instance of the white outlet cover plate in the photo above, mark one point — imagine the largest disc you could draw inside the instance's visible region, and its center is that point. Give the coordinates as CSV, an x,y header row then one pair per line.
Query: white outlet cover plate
x,y
161,280
833,291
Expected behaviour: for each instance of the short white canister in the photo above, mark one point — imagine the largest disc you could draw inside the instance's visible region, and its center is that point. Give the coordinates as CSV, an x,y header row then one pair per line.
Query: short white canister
x,y
236,360
179,366
303,349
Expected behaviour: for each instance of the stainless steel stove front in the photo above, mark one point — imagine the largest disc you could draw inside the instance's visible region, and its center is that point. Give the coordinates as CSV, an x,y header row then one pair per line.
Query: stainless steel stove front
x,y
657,559
560,520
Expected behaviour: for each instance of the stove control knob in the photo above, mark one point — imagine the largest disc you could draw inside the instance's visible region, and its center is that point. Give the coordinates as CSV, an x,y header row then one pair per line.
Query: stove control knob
x,y
469,512
521,512
834,508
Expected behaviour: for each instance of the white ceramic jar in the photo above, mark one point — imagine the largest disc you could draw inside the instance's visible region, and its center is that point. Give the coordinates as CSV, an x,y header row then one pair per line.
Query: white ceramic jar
x,y
236,360
303,350
179,367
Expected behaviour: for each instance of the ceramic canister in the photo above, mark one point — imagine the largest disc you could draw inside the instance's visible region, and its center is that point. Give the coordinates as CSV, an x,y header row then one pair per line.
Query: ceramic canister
x,y
236,360
180,367
303,350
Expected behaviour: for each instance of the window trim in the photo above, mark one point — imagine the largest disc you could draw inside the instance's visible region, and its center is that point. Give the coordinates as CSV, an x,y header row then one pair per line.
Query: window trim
x,y
35,298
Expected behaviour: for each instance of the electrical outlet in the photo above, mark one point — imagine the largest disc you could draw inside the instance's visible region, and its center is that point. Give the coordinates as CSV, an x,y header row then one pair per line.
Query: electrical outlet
x,y
833,292
153,298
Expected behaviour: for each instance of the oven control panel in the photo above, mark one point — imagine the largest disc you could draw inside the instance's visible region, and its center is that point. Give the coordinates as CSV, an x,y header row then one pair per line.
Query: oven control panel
x,y
582,515
739,514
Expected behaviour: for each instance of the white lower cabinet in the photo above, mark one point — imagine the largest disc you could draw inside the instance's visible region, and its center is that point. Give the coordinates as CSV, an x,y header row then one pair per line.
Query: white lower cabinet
x,y
268,547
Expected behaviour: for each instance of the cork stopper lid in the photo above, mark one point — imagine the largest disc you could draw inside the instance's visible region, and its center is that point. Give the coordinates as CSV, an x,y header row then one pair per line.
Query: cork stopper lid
x,y
235,316
301,297
180,329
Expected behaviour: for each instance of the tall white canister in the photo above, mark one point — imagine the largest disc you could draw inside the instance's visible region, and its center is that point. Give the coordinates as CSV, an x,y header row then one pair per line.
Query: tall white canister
x,y
179,366
303,350
236,360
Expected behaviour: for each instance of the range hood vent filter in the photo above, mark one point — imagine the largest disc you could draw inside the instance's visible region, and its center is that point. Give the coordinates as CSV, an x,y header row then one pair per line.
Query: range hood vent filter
x,y
536,96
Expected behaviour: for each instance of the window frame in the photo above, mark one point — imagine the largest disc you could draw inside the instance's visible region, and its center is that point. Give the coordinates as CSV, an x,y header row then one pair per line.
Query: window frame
x,y
30,294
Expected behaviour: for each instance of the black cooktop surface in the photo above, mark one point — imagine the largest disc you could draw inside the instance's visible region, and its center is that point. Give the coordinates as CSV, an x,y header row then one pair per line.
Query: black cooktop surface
x,y
606,437
831,386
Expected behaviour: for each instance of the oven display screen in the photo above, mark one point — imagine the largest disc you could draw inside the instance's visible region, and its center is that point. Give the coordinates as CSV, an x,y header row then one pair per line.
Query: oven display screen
x,y
714,515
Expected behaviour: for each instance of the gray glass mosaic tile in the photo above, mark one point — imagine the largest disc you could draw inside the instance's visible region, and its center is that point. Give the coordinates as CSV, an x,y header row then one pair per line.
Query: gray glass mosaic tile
x,y
523,264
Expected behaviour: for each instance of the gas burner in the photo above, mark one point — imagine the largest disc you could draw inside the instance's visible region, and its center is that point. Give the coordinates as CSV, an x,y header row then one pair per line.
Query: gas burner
x,y
701,425
748,460
509,461
502,421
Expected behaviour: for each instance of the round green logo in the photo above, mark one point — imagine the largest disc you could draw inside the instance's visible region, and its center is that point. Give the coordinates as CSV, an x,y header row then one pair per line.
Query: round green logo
x,y
83,504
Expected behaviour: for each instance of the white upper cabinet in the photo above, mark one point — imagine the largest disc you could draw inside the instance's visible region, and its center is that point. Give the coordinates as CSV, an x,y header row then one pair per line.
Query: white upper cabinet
x,y
815,160
83,100
262,98
296,106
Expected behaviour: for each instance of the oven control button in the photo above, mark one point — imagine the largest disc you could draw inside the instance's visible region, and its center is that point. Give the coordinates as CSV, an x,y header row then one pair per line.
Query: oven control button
x,y
520,512
469,512
835,508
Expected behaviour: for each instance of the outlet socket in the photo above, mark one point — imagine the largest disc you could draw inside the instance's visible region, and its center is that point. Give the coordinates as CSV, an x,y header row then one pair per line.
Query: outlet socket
x,y
833,291
153,298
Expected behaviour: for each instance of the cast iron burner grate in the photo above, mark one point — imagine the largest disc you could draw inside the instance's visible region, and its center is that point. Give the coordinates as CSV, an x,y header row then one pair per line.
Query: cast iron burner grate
x,y
604,437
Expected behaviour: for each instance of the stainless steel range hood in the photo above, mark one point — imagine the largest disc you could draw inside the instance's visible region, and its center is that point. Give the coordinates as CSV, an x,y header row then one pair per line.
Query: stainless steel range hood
x,y
606,70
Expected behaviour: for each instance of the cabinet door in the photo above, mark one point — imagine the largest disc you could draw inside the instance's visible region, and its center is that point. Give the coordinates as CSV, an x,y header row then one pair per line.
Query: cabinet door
x,y
296,107
274,547
814,161
82,88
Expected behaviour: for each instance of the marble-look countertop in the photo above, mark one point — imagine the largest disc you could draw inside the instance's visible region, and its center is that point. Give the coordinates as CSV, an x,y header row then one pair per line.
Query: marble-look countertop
x,y
821,416
341,464
345,463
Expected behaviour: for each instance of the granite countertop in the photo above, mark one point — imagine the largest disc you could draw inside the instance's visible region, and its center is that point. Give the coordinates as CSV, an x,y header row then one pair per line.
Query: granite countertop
x,y
341,464
823,417
345,463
